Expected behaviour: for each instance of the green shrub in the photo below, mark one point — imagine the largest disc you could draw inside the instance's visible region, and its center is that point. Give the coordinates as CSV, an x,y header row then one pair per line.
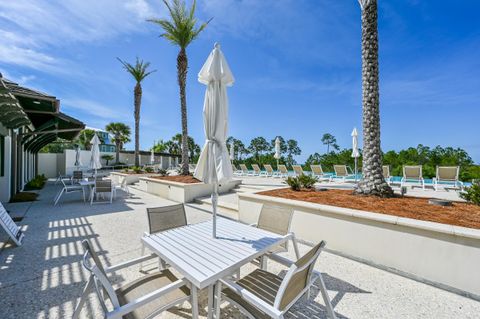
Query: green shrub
x,y
307,181
163,172
294,183
149,169
36,183
472,193
136,169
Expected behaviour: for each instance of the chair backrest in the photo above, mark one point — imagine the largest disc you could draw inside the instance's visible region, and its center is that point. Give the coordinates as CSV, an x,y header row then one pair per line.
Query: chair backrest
x,y
256,168
297,169
103,186
244,168
386,171
317,169
448,173
96,269
412,172
297,279
276,219
340,170
283,169
77,174
234,167
268,168
166,217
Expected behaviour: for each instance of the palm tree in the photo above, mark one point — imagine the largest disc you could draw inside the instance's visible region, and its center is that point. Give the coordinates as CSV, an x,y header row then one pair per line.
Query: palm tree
x,y
121,135
181,30
373,182
139,73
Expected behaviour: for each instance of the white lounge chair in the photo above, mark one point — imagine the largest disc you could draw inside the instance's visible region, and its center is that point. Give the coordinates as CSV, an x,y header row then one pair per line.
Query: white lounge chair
x,y
102,187
236,171
386,174
262,294
245,171
412,174
68,189
282,171
145,297
298,170
317,171
447,176
269,172
341,172
256,170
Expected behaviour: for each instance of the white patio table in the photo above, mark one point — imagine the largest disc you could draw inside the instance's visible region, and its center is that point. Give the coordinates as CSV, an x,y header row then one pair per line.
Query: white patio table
x,y
203,260
87,183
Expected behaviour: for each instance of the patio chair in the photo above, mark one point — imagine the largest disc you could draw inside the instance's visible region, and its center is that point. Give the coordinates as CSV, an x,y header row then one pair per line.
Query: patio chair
x,y
269,172
245,171
262,294
164,218
236,171
341,171
298,170
68,189
283,171
447,176
317,171
256,170
276,219
412,174
386,174
121,184
102,187
144,297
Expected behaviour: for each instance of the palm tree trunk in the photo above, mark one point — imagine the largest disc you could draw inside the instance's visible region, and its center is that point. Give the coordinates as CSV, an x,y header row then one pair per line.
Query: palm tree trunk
x,y
117,152
182,68
373,182
138,102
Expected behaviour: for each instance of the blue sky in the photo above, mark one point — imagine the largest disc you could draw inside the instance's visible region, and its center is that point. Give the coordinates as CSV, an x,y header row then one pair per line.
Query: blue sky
x,y
297,65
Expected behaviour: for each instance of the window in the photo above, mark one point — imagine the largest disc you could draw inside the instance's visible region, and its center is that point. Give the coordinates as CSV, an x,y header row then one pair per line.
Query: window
x,y
2,155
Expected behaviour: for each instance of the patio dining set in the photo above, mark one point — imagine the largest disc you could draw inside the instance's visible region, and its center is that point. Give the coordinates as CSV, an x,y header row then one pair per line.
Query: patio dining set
x,y
191,259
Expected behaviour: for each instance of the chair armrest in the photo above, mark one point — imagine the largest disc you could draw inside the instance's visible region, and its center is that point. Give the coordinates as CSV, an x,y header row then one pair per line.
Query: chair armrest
x,y
251,298
131,262
129,307
253,225
281,260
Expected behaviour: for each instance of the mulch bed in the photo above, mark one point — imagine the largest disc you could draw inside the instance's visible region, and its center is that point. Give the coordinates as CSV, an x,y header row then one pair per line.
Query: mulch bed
x,y
24,197
459,214
187,179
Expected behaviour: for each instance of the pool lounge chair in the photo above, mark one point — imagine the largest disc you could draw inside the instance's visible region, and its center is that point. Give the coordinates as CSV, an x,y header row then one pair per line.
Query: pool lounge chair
x,y
386,174
269,172
341,172
317,172
298,170
245,171
282,171
447,176
412,174
236,171
256,170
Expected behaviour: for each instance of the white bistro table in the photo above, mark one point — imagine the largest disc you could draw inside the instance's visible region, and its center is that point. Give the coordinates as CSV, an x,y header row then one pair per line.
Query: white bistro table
x,y
87,183
203,260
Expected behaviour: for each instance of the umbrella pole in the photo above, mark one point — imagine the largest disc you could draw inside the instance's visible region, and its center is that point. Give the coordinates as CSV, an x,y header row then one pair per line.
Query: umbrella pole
x,y
355,169
214,208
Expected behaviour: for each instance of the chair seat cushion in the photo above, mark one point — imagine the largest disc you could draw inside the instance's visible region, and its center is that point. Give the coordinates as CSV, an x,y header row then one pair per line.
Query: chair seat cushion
x,y
262,284
145,285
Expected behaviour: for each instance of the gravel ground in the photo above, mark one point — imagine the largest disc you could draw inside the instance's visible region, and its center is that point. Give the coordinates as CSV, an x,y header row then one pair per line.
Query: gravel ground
x,y
44,278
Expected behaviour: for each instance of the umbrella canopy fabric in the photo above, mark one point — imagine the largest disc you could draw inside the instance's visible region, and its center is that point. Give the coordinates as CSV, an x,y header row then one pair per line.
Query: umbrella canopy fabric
x,y
277,148
78,161
95,153
152,157
232,152
355,152
214,166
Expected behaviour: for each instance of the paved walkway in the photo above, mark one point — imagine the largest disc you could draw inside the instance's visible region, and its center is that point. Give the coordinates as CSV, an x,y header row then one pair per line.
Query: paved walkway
x,y
44,278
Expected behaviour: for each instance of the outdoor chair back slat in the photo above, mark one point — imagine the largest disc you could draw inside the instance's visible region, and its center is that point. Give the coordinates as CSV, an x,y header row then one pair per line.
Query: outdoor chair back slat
x,y
165,218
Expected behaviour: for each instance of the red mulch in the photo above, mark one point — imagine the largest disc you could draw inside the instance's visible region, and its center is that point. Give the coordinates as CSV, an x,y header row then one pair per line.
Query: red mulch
x,y
459,214
187,179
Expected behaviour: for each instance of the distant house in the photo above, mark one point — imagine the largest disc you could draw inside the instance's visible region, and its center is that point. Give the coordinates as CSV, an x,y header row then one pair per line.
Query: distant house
x,y
107,143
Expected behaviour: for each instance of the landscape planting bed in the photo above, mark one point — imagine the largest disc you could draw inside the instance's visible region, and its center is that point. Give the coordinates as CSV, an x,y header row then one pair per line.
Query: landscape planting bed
x,y
458,214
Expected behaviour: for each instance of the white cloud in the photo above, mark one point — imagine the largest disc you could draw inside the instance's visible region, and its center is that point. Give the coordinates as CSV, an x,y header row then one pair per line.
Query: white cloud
x,y
32,31
97,109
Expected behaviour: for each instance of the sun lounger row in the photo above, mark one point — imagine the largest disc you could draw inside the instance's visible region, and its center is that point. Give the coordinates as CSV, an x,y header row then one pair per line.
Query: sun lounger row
x,y
445,177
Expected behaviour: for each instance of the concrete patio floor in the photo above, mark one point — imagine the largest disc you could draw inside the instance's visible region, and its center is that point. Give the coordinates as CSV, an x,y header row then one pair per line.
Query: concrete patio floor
x,y
44,277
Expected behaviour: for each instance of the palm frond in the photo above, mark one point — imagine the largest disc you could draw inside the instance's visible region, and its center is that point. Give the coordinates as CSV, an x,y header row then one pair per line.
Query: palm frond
x,y
139,70
181,28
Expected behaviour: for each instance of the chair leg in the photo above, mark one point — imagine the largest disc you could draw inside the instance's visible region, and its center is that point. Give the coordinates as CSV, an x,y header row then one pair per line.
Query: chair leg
x,y
263,262
218,295
143,254
295,246
326,298
83,298
58,196
111,196
210,302
194,302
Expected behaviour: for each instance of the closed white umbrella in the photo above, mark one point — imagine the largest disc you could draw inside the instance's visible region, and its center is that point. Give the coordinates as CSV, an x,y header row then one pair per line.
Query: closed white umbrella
x,y
232,152
152,155
214,166
355,152
95,154
78,161
277,150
